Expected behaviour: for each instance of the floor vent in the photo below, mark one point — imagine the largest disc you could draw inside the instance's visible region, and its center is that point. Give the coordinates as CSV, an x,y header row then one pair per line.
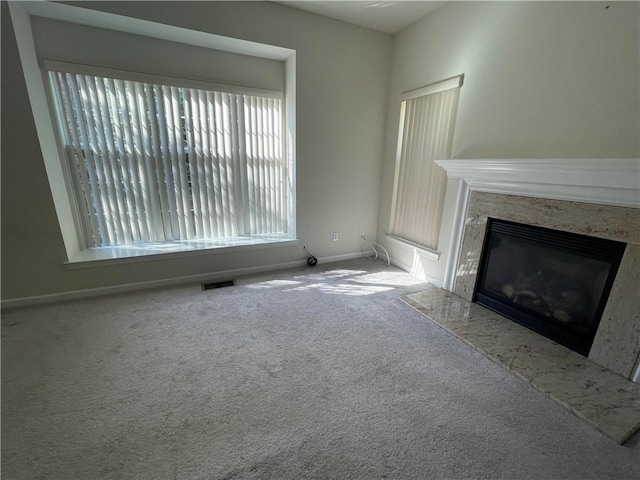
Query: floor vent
x,y
212,285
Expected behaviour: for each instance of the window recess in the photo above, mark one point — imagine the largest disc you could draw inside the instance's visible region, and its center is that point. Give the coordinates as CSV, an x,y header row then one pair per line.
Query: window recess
x,y
158,159
427,120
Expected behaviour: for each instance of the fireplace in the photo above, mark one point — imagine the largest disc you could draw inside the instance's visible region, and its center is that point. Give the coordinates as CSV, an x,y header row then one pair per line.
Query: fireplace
x,y
555,283
597,197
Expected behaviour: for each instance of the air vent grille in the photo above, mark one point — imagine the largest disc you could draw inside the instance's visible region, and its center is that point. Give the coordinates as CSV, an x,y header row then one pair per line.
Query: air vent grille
x,y
212,285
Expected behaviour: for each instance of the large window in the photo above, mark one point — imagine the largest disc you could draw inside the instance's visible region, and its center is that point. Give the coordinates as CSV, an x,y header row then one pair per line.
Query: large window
x,y
154,160
427,121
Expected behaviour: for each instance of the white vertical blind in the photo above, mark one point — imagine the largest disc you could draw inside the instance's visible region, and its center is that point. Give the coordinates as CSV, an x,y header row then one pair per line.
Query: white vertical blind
x,y
154,162
426,134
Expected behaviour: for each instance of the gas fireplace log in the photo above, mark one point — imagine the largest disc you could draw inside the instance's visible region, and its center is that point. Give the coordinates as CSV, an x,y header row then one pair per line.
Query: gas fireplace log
x,y
561,315
511,291
554,298
508,290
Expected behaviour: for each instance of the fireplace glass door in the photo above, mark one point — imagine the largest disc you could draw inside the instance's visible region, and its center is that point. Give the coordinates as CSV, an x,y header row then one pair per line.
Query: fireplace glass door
x,y
555,283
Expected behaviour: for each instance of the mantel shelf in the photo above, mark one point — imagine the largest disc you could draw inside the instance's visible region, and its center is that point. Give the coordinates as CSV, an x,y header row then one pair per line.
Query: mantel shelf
x,y
608,181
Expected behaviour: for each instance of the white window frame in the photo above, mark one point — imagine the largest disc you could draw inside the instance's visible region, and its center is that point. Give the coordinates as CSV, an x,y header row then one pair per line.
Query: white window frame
x,y
55,167
444,85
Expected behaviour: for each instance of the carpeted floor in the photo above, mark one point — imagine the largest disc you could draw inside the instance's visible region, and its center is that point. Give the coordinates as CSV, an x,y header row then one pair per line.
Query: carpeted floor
x,y
310,373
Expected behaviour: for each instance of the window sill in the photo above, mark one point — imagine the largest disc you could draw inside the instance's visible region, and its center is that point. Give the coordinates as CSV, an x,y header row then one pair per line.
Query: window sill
x,y
423,251
146,252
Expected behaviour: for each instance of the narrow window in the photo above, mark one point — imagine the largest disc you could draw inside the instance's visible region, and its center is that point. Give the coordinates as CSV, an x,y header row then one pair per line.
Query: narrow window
x,y
427,122
156,162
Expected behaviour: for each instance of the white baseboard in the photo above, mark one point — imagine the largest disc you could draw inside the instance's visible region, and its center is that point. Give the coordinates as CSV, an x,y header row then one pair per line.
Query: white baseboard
x,y
403,266
340,258
168,282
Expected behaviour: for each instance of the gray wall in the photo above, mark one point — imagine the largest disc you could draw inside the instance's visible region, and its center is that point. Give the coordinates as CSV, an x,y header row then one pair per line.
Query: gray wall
x,y
71,42
342,75
542,80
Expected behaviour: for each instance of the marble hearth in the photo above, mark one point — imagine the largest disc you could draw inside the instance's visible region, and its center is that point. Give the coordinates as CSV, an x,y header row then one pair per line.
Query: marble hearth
x,y
597,197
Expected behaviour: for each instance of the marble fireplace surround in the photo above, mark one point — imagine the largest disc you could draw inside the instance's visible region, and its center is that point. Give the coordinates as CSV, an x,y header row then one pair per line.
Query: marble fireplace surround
x,y
598,197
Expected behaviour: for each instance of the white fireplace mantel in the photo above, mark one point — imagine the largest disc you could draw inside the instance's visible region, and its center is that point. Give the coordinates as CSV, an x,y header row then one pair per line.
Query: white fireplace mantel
x,y
606,181
611,182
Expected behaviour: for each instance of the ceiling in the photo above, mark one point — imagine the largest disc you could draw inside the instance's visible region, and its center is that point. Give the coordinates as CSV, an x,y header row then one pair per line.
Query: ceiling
x,y
385,16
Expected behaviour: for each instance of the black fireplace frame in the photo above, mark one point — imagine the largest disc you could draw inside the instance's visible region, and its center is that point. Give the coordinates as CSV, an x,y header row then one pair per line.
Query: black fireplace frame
x,y
610,251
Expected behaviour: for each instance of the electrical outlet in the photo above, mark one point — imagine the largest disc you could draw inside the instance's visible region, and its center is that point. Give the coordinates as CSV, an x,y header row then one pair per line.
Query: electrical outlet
x,y
335,236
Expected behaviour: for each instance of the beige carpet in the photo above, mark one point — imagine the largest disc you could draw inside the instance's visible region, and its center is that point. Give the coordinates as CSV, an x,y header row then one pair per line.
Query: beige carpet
x,y
311,373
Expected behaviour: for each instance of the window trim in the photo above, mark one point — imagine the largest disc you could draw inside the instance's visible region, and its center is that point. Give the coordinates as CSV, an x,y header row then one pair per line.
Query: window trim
x,y
127,254
436,87
42,110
